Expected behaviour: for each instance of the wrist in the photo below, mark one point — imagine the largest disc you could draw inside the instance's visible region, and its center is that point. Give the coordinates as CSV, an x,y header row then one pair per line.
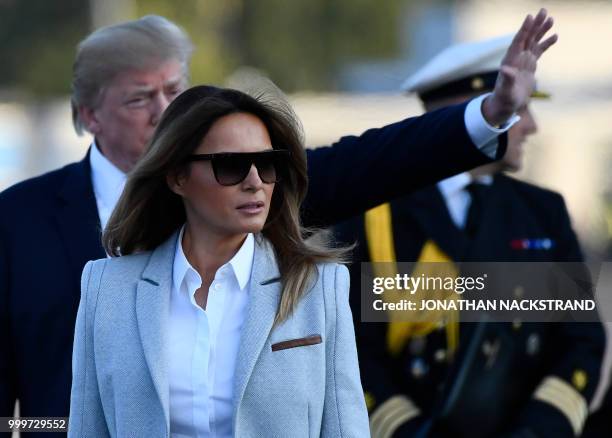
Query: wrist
x,y
495,112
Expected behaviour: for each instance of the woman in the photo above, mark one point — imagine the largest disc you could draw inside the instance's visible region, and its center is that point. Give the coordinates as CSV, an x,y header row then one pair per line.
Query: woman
x,y
219,318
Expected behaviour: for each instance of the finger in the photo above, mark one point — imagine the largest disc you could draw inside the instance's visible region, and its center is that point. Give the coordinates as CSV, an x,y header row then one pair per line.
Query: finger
x,y
545,45
546,26
540,17
538,22
520,38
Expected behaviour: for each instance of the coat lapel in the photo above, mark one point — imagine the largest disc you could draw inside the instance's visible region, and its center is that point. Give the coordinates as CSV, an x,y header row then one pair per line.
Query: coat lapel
x,y
505,217
152,309
264,298
429,210
77,217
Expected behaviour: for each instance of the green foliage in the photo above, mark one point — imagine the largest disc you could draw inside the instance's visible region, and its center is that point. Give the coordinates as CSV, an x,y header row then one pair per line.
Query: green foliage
x,y
206,22
38,43
300,44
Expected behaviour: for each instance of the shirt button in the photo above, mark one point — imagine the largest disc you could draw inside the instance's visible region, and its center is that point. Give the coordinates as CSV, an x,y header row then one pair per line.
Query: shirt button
x,y
217,286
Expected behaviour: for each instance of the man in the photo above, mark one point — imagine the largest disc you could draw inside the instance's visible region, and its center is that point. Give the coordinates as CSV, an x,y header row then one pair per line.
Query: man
x,y
124,76
483,215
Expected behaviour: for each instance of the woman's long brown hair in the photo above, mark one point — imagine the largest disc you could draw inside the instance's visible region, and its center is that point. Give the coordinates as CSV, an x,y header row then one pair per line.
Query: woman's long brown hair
x,y
148,212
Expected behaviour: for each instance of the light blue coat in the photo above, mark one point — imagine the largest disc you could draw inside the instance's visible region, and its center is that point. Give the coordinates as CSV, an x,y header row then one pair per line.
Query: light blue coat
x,y
120,365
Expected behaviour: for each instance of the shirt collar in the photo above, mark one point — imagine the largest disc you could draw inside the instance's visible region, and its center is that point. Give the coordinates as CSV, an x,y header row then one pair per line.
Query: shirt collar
x,y
455,184
107,179
241,263
181,266
487,180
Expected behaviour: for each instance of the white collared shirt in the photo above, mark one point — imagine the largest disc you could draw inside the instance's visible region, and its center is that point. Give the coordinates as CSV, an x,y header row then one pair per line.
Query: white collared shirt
x,y
457,197
203,344
108,182
483,135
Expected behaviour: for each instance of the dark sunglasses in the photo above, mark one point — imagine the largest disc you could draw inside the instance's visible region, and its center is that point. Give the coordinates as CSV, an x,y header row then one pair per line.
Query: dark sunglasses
x,y
231,168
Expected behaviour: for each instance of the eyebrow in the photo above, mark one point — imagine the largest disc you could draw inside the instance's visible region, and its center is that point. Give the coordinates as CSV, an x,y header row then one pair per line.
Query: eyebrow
x,y
139,88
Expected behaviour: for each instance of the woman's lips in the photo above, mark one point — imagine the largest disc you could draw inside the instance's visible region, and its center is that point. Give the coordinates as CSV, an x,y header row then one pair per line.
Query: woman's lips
x,y
251,207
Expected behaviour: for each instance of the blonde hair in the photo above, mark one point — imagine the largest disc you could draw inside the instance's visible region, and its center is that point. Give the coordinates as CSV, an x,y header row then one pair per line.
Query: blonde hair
x,y
134,45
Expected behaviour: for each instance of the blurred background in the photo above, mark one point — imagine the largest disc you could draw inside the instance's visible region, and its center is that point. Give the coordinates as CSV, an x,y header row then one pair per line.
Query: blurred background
x,y
341,62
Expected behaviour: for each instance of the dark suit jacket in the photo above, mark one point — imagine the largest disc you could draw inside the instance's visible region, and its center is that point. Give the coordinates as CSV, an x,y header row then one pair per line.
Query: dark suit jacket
x,y
599,425
49,229
512,210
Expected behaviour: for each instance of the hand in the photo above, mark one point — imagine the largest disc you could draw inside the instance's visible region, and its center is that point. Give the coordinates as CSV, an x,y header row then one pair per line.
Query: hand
x,y
516,79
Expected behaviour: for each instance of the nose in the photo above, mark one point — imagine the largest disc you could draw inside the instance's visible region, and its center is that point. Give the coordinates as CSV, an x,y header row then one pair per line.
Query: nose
x,y
252,180
158,106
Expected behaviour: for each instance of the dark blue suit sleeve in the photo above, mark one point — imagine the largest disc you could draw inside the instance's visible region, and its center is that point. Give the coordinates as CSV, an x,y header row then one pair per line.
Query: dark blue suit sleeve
x,y
358,173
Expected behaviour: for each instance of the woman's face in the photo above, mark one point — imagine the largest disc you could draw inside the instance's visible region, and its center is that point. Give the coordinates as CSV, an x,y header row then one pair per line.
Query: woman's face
x,y
227,211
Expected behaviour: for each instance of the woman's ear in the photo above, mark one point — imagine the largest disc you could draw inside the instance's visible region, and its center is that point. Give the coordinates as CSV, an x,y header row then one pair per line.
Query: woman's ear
x,y
175,181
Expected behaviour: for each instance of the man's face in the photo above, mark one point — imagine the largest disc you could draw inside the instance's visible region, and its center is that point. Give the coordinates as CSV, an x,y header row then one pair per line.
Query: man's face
x,y
517,136
129,110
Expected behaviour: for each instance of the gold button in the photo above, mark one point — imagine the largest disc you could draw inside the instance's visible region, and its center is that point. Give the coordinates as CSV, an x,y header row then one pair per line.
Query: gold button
x,y
440,356
580,379
477,83
370,400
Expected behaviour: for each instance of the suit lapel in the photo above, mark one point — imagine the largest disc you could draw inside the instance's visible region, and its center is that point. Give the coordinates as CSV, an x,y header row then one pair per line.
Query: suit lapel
x,y
429,210
492,240
152,309
77,217
507,217
264,298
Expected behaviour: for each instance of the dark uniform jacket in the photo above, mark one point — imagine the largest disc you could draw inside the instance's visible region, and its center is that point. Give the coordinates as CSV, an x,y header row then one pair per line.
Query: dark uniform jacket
x,y
406,390
599,424
49,229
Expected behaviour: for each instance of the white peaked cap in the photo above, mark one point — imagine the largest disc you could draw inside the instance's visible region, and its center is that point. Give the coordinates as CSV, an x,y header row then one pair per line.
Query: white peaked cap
x,y
458,62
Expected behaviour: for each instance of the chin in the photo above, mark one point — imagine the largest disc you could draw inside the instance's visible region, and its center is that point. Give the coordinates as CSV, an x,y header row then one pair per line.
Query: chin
x,y
251,227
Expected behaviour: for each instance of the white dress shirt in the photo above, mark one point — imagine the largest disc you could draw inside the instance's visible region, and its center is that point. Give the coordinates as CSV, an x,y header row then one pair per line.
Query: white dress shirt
x,y
203,344
108,182
483,135
456,196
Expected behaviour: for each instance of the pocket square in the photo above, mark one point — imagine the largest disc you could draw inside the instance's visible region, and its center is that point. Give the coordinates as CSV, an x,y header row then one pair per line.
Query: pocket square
x,y
299,342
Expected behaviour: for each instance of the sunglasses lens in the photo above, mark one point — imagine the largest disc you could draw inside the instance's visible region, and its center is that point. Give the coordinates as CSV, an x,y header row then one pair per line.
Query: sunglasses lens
x,y
266,167
231,169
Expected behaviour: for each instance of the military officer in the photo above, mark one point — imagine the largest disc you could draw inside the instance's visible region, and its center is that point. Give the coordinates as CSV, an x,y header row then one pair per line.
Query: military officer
x,y
539,378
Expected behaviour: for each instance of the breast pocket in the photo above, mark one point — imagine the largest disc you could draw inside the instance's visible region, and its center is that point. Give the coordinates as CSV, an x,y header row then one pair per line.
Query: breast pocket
x,y
297,342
